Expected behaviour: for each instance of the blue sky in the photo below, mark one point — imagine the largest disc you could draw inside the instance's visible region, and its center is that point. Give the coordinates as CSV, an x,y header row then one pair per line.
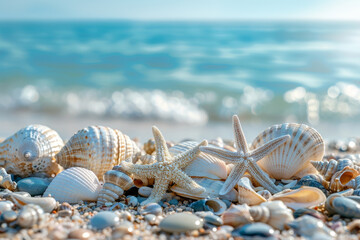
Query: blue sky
x,y
181,9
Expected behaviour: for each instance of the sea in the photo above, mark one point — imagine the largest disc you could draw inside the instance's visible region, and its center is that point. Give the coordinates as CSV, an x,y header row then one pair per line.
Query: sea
x,y
192,73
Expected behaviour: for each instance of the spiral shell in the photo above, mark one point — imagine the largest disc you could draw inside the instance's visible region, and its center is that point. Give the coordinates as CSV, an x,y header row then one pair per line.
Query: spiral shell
x,y
115,183
30,215
237,215
31,151
6,181
292,159
329,168
96,148
260,213
280,215
341,178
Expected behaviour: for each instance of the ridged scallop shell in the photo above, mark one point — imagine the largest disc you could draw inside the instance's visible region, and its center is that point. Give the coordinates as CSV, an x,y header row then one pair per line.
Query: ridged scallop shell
x,y
115,183
292,159
212,190
204,165
303,197
329,168
96,148
341,178
31,151
247,194
73,185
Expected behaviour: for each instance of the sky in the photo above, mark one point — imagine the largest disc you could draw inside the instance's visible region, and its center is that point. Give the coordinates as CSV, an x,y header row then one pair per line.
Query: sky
x,y
159,10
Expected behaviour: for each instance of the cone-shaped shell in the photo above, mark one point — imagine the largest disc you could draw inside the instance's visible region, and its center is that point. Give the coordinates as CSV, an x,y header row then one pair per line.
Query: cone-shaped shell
x,y
292,159
73,185
204,165
96,148
31,151
304,197
247,194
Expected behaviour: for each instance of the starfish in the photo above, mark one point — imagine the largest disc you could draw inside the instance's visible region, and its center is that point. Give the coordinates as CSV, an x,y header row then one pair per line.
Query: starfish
x,y
166,169
245,160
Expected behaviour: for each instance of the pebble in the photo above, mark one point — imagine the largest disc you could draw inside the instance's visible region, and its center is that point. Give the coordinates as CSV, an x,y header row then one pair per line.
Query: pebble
x,y
9,216
173,202
181,222
214,220
152,208
81,234
145,191
103,220
33,185
254,229
151,219
123,229
132,201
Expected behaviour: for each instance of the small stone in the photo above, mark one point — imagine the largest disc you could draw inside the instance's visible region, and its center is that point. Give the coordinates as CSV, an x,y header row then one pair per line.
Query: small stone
x,y
121,230
150,218
173,202
82,234
132,201
33,185
9,216
214,220
181,222
5,206
254,229
103,220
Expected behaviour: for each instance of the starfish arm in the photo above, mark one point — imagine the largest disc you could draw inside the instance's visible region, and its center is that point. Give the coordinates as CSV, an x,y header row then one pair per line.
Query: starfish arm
x,y
225,155
160,187
142,171
162,151
262,178
184,181
268,147
235,175
185,158
240,140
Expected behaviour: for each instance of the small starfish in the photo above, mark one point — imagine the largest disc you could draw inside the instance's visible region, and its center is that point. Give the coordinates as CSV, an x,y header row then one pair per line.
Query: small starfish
x,y
166,169
245,160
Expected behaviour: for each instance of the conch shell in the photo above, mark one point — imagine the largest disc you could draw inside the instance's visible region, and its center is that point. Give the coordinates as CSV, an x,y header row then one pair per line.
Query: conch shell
x,y
31,151
96,148
329,168
341,178
292,159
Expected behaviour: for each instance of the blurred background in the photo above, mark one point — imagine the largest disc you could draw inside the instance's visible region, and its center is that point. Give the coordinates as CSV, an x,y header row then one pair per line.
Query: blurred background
x,y
184,66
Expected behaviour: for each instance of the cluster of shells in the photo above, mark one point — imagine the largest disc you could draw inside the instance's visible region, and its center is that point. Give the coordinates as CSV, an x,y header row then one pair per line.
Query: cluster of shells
x,y
306,177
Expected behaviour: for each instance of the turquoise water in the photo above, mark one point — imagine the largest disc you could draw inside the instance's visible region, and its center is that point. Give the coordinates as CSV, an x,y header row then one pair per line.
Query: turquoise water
x,y
182,71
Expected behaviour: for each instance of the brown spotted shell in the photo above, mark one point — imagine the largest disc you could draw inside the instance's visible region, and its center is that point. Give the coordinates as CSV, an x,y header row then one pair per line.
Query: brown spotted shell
x,y
96,148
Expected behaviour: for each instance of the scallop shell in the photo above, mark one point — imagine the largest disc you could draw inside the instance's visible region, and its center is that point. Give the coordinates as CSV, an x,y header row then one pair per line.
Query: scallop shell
x,y
204,165
96,148
73,185
341,178
31,151
115,183
329,168
247,194
303,197
237,215
212,190
292,159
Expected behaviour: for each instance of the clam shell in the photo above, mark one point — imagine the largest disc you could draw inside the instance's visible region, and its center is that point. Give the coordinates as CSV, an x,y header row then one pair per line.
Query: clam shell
x,y
292,159
212,190
247,194
73,185
303,197
204,165
31,151
96,148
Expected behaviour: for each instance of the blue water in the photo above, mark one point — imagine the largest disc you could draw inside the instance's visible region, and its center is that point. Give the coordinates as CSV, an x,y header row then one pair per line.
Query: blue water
x,y
182,71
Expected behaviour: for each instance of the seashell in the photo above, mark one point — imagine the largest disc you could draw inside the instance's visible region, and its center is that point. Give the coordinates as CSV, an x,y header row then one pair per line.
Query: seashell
x,y
329,201
30,215
46,203
292,159
214,205
5,206
132,201
354,183
73,185
145,191
303,197
314,180
149,146
151,208
6,181
328,168
311,228
290,184
96,148
280,215
115,183
247,194
237,215
31,151
311,212
204,165
212,190
265,194
345,207
341,178
260,213
65,210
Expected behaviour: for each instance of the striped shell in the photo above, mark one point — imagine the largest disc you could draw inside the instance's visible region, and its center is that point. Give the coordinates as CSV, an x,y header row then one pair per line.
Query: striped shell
x,y
292,159
74,185
96,148
329,168
31,151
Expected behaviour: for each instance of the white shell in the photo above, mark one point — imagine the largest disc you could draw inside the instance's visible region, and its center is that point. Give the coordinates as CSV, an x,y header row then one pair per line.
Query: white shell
x,y
237,215
280,215
329,168
31,151
6,181
46,203
247,194
204,165
212,190
341,179
73,185
96,148
292,159
30,215
303,197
